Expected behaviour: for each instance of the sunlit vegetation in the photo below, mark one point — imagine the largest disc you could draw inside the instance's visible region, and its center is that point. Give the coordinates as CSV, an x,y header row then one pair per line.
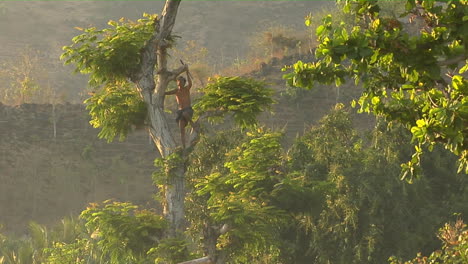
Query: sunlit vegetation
x,y
416,80
336,194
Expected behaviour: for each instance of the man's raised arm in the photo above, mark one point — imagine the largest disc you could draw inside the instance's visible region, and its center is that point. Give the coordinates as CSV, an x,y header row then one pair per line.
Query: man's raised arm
x,y
189,79
171,92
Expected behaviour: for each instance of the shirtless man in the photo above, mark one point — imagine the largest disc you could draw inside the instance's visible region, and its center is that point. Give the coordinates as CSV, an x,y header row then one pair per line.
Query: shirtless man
x,y
185,111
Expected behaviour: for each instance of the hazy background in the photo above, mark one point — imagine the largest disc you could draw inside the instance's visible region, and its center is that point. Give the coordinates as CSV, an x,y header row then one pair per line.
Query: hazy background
x,y
224,28
51,161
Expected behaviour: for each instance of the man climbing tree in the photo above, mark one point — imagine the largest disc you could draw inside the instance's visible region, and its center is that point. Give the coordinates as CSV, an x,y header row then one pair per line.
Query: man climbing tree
x,y
185,111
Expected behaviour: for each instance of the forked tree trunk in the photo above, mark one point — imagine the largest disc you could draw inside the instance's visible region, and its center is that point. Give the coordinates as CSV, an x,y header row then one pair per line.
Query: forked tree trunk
x,y
154,66
154,58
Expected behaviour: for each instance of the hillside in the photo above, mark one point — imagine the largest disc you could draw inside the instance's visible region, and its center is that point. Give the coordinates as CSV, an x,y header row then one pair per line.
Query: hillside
x,y
218,25
223,27
46,175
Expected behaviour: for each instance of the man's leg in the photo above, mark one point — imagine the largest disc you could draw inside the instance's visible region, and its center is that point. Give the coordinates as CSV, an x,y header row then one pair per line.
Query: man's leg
x,y
182,125
188,117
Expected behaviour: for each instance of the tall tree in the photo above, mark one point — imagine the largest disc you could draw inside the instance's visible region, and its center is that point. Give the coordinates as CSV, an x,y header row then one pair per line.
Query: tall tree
x,y
141,58
135,52
127,65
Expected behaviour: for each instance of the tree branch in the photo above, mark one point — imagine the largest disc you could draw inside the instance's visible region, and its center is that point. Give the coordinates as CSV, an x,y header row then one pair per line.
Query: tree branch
x,y
168,18
195,135
204,260
224,229
144,77
154,54
174,73
454,60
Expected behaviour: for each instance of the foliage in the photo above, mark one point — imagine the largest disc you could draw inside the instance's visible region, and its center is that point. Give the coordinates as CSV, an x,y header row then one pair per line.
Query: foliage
x,y
68,244
171,251
35,247
208,158
111,54
116,108
164,171
241,197
403,76
112,233
81,251
454,249
245,98
16,252
165,166
123,232
368,212
27,80
333,197
241,182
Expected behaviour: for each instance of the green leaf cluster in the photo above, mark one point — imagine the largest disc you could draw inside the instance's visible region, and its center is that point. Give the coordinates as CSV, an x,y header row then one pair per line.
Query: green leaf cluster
x,y
244,98
239,182
116,109
111,54
79,252
402,74
240,198
171,251
111,232
37,246
164,171
111,57
368,212
123,232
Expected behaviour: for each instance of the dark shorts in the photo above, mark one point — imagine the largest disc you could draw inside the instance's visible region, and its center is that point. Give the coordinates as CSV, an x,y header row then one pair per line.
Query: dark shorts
x,y
187,110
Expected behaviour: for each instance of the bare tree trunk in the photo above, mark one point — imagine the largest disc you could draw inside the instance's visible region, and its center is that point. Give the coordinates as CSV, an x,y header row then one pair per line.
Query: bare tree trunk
x,y
154,58
153,93
210,240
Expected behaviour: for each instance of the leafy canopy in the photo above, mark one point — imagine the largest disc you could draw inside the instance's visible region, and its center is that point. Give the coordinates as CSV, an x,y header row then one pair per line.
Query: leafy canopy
x,y
238,190
111,54
122,230
116,108
413,78
245,98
